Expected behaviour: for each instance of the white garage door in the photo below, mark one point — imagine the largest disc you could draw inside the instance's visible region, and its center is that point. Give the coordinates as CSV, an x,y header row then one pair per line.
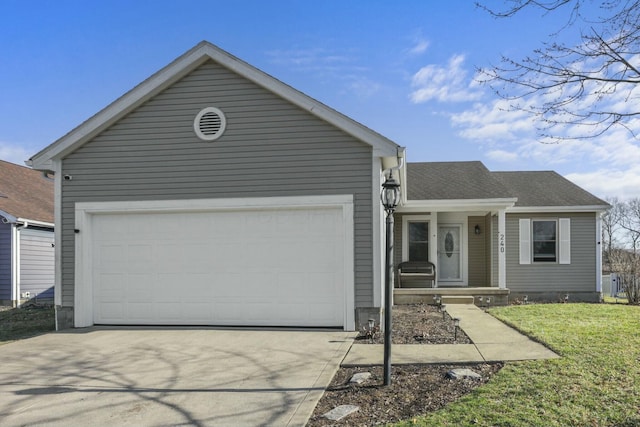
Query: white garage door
x,y
263,267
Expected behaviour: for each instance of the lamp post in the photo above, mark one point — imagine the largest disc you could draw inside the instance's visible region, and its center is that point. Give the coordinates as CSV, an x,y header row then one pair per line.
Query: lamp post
x,y
390,197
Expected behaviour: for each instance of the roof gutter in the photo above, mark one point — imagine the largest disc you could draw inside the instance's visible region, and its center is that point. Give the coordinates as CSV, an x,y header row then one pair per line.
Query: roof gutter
x,y
24,222
543,209
458,205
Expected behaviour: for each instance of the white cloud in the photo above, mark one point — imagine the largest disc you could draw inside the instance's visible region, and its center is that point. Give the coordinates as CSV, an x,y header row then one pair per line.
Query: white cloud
x,y
420,46
14,153
502,156
444,84
607,165
315,59
363,87
610,182
491,122
330,65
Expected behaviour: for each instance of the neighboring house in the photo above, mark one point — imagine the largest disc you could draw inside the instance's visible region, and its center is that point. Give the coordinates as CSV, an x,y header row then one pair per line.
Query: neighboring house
x,y
214,194
26,235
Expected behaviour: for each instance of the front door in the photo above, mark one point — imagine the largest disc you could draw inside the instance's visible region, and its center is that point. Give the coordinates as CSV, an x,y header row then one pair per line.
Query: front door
x,y
449,253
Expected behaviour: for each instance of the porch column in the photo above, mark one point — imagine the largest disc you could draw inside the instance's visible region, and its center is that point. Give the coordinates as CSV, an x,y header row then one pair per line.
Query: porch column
x,y
502,264
433,244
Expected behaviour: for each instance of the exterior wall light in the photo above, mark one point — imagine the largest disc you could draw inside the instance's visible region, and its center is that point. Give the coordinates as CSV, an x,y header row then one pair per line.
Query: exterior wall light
x,y
390,195
476,229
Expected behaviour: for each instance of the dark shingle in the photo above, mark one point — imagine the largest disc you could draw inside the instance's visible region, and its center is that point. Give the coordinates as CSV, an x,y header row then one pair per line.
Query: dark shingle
x,y
453,181
546,188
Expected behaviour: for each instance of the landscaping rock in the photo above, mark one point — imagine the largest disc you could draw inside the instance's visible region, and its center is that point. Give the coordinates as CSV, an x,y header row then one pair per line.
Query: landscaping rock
x,y
360,377
339,412
459,374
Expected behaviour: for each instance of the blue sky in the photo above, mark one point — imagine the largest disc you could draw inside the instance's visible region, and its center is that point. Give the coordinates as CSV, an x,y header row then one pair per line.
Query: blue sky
x,y
405,69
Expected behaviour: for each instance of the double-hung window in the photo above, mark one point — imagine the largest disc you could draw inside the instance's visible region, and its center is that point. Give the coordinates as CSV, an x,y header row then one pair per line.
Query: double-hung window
x,y
545,240
545,243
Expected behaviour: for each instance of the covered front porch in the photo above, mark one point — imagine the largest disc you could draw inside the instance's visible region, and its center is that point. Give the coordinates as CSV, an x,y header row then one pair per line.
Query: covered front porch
x,y
452,215
465,243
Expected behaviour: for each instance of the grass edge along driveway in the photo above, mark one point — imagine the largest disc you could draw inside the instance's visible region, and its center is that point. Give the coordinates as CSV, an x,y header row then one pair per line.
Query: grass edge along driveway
x,y
595,383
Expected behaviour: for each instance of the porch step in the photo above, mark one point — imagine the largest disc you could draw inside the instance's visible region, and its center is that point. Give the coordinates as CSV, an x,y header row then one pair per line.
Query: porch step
x,y
426,295
457,299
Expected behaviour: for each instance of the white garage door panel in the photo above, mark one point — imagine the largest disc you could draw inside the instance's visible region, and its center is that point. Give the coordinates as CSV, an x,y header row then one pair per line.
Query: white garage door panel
x,y
272,267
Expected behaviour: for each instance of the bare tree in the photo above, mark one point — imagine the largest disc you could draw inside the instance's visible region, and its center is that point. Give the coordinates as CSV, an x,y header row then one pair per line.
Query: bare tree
x,y
611,227
591,86
624,254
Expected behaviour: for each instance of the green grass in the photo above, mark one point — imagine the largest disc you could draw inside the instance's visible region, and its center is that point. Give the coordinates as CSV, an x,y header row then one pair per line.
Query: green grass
x,y
595,383
19,323
613,300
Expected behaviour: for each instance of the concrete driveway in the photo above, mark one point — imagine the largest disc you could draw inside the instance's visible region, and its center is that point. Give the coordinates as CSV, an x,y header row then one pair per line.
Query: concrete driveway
x,y
168,376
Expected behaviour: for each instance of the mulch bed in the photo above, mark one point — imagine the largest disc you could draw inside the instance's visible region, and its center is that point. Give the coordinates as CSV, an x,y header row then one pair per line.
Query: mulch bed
x,y
418,324
415,389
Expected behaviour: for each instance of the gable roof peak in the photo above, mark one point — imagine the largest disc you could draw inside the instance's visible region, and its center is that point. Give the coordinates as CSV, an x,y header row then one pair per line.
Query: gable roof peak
x,y
179,68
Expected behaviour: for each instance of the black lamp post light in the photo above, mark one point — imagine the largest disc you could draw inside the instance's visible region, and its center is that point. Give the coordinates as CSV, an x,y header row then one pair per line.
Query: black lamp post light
x,y
390,198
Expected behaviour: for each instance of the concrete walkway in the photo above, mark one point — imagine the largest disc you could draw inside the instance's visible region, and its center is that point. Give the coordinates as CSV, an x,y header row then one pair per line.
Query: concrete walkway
x,y
492,341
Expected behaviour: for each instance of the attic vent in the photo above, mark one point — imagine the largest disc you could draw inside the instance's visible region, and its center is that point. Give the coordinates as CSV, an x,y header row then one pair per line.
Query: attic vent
x,y
209,124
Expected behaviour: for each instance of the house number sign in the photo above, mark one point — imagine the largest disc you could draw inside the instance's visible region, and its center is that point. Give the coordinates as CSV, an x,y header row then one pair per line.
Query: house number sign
x,y
501,239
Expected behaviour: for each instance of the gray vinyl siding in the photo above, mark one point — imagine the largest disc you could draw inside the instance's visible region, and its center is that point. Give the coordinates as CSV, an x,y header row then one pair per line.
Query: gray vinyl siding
x,y
477,251
37,263
397,239
270,148
579,276
5,262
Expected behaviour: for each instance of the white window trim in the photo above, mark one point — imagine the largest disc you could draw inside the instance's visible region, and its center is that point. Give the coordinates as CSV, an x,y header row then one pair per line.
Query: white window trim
x,y
406,219
563,240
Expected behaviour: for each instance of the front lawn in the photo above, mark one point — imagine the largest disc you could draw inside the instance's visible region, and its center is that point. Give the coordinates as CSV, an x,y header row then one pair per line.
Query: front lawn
x,y
595,383
18,323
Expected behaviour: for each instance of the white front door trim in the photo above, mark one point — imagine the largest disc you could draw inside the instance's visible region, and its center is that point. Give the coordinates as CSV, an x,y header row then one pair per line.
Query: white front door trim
x,y
85,211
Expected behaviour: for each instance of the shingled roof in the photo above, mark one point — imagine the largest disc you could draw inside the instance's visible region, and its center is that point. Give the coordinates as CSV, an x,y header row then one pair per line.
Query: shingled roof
x,y
453,181
546,188
25,193
472,180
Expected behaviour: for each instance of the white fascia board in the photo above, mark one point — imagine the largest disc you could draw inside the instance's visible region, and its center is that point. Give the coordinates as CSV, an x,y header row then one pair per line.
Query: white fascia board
x,y
179,68
120,107
10,218
35,222
548,209
456,205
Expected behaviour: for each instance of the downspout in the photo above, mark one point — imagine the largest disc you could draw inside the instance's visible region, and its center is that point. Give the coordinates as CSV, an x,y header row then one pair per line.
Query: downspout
x,y
15,263
400,158
15,273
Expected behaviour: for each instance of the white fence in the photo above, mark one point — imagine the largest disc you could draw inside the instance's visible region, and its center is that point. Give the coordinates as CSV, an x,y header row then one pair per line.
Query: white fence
x,y
612,285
